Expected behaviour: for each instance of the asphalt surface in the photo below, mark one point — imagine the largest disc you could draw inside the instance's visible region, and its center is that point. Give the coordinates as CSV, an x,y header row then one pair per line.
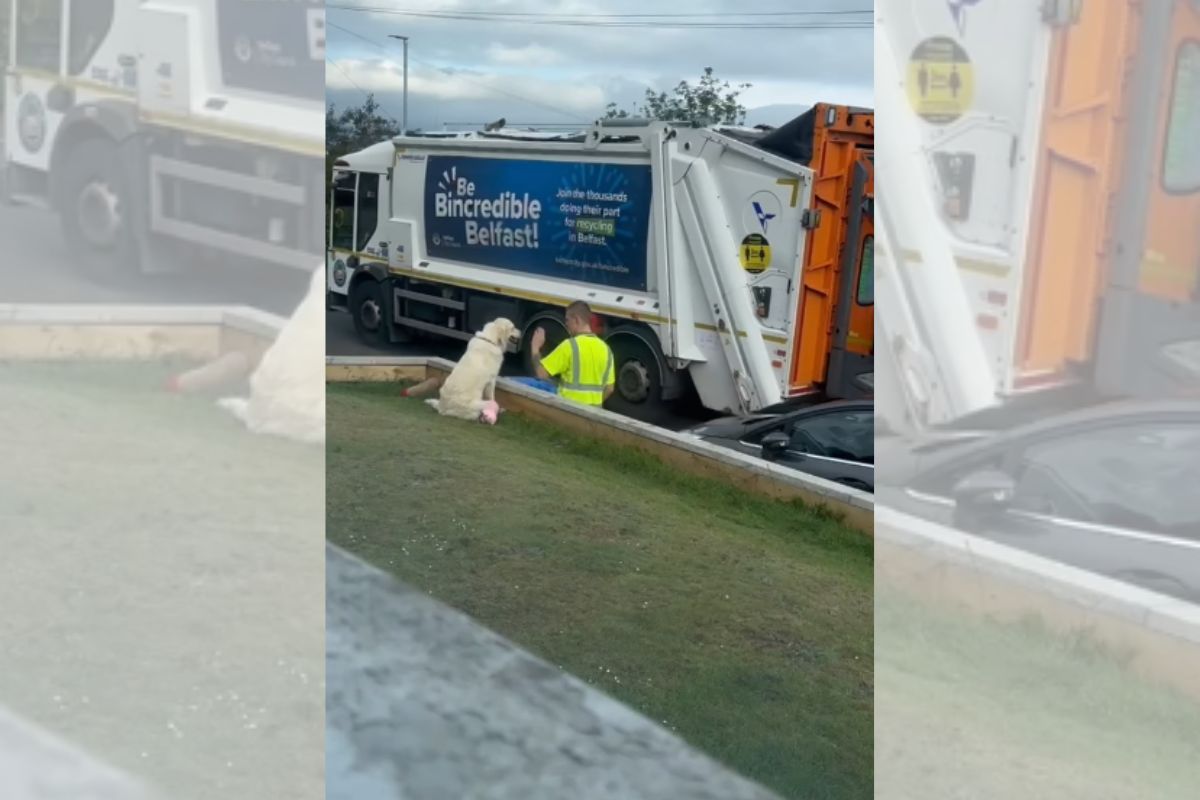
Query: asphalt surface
x,y
37,267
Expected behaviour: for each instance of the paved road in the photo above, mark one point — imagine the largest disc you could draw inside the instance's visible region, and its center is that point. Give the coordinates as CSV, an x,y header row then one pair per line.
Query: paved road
x,y
36,267
341,340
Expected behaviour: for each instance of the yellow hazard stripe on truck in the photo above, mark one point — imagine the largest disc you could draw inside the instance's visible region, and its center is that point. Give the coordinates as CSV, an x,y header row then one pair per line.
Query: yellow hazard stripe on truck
x,y
539,298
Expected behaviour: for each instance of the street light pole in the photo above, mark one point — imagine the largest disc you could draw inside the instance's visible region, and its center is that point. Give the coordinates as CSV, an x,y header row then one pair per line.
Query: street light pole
x,y
404,112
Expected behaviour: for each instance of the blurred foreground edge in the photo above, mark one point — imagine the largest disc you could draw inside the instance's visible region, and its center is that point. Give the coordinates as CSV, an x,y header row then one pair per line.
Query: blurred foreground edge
x,y
36,766
422,702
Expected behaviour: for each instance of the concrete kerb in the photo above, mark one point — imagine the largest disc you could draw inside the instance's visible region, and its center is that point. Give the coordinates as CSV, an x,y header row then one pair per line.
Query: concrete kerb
x,y
35,765
949,567
422,701
680,451
133,332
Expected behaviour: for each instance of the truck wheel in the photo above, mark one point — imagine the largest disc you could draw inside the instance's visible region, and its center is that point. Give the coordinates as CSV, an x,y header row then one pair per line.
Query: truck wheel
x,y
556,332
639,379
96,212
366,305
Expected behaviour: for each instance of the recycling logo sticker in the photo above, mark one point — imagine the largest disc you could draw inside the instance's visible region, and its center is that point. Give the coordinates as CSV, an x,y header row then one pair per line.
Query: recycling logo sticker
x,y
760,211
941,80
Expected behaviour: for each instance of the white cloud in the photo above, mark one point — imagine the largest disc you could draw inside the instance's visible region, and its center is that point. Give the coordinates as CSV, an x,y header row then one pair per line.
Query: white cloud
x,y
531,55
387,77
571,73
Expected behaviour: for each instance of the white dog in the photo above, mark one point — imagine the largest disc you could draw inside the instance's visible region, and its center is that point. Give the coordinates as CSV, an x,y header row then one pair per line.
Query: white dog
x,y
471,386
287,389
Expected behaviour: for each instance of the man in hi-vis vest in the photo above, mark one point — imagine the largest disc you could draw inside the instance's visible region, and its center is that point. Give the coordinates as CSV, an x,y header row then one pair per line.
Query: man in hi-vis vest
x,y
582,364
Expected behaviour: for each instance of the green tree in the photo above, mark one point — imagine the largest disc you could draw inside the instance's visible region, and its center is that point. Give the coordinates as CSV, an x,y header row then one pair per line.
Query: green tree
x,y
711,101
353,129
357,127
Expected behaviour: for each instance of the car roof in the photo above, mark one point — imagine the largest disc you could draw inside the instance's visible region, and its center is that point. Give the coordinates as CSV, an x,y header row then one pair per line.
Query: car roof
x,y
1111,410
804,411
832,405
941,446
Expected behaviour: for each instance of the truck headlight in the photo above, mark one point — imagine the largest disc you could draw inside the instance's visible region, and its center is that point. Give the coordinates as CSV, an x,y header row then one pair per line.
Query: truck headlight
x,y
31,122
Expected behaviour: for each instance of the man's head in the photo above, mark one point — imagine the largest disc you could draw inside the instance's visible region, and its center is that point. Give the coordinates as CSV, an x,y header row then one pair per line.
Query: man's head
x,y
579,318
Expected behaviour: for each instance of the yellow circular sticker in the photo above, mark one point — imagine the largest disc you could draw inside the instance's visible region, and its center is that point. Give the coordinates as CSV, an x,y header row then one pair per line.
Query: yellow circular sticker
x,y
755,253
941,81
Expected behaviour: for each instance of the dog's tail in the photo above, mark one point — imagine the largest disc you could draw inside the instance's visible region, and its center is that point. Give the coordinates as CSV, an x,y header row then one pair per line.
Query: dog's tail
x,y
434,403
423,388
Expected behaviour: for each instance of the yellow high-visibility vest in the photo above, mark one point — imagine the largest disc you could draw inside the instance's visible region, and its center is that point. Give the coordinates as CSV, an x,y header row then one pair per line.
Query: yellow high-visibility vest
x,y
584,367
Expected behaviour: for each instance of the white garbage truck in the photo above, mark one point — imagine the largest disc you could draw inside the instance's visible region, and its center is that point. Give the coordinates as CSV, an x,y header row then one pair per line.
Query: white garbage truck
x,y
191,123
712,258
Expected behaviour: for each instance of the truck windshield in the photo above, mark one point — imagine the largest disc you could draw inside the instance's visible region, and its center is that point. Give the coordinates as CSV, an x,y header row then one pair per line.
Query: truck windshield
x,y
341,231
39,34
273,47
368,208
1181,156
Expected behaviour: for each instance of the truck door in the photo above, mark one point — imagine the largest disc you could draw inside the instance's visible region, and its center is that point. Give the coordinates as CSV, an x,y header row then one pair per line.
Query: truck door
x,y
1078,169
839,136
37,62
851,373
1172,250
341,230
1149,338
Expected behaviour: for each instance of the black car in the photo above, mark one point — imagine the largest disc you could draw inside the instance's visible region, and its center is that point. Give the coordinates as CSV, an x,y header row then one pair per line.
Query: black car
x,y
1113,489
835,440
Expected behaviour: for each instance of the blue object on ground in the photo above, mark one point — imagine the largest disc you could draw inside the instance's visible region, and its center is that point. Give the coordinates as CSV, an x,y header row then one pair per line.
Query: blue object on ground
x,y
537,383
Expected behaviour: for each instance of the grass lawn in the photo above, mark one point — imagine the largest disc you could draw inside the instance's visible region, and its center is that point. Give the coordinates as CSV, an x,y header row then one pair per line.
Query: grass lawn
x,y
742,624
969,707
162,590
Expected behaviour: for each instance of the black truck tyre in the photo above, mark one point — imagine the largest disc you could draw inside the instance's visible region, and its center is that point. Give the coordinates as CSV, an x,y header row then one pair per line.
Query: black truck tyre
x,y
96,212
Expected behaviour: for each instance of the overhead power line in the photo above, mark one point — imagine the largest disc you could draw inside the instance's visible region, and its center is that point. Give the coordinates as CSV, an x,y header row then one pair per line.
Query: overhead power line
x,y
785,20
572,15
368,95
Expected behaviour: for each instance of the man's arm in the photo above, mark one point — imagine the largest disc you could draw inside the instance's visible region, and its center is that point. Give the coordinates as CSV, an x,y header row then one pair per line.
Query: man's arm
x,y
535,349
555,364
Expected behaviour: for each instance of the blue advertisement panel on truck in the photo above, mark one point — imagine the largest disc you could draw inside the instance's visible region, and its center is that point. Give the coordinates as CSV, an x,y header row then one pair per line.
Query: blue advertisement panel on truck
x,y
580,221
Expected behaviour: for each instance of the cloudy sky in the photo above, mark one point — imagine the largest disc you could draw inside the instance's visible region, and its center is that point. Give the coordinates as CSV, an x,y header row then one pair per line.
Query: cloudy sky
x,y
475,70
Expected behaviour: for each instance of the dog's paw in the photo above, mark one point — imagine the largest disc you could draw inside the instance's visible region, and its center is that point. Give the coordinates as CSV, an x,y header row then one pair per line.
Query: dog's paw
x,y
238,406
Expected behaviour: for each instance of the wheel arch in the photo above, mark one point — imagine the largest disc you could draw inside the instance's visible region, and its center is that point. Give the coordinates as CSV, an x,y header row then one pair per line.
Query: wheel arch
x,y
113,121
672,381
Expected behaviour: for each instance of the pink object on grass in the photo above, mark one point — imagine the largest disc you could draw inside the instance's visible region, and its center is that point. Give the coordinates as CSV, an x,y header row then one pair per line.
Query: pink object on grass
x,y
490,412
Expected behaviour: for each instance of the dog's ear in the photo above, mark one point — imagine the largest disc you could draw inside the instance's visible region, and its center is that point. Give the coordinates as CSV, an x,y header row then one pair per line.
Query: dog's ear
x,y
496,331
